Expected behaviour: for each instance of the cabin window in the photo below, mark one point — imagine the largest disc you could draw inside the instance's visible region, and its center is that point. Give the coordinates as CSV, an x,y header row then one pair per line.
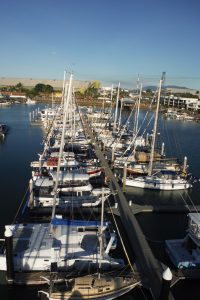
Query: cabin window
x,y
80,229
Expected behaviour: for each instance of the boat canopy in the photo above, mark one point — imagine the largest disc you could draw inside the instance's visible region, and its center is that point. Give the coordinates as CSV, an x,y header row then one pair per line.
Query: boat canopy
x,y
65,154
167,174
64,176
78,223
44,182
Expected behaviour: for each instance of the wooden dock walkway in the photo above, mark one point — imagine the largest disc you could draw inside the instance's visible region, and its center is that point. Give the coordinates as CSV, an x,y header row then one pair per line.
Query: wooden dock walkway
x,y
150,269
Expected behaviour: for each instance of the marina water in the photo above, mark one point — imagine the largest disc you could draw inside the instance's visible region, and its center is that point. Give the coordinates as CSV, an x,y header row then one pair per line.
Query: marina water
x,y
22,144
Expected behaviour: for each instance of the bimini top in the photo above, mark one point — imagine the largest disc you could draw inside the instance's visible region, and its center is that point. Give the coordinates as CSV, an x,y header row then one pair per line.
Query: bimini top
x,y
77,223
44,182
65,176
167,174
65,154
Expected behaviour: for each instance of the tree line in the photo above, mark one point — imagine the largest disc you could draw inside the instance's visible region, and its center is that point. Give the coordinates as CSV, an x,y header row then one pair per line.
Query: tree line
x,y
37,90
92,91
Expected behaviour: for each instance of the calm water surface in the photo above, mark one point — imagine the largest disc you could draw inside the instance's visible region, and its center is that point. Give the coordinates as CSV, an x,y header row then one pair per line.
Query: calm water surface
x,y
21,146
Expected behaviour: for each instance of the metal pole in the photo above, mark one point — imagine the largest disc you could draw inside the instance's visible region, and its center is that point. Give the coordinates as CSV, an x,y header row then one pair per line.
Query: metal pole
x,y
163,149
101,231
124,177
31,193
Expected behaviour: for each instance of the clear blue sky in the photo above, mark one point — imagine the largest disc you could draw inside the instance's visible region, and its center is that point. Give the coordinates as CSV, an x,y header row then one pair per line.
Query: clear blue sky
x,y
107,40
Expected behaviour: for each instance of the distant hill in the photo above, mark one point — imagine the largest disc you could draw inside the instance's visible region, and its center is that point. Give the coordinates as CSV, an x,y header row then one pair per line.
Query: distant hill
x,y
153,87
173,89
176,87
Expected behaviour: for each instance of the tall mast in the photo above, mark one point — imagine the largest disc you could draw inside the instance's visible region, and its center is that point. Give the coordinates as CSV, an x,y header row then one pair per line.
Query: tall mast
x,y
111,98
116,109
154,131
101,232
137,113
67,97
120,115
137,88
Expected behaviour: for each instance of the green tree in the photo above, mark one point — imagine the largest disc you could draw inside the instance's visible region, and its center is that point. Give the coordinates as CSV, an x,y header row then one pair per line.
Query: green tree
x,y
19,87
93,89
39,88
48,89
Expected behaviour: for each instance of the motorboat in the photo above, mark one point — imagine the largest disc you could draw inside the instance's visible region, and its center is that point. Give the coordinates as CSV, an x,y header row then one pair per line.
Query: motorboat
x,y
30,101
185,253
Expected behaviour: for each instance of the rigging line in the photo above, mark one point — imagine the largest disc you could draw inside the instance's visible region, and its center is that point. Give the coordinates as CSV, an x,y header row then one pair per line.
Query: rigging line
x,y
65,109
191,202
143,294
134,149
129,262
50,131
50,128
102,129
185,202
22,202
123,130
137,135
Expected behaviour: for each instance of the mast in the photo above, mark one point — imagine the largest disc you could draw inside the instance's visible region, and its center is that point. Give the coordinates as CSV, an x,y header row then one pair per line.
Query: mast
x,y
137,113
154,131
120,115
67,96
111,98
101,232
137,88
116,109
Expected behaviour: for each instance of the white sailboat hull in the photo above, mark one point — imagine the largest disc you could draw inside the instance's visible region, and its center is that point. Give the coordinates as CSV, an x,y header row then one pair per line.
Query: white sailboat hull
x,y
37,246
64,202
149,182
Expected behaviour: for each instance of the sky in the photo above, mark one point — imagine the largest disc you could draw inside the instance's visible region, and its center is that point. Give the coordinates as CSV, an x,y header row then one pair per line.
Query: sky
x,y
108,40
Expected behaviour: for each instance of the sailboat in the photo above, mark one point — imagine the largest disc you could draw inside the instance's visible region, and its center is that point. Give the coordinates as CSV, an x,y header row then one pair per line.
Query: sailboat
x,y
162,179
105,287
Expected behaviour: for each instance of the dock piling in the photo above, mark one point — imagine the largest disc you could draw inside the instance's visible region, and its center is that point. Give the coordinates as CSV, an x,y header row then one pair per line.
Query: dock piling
x,y
9,254
166,282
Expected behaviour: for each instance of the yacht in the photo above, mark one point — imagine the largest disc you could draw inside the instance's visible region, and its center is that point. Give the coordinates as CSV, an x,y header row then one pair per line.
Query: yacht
x,y
185,253
30,101
165,180
71,244
73,189
103,287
